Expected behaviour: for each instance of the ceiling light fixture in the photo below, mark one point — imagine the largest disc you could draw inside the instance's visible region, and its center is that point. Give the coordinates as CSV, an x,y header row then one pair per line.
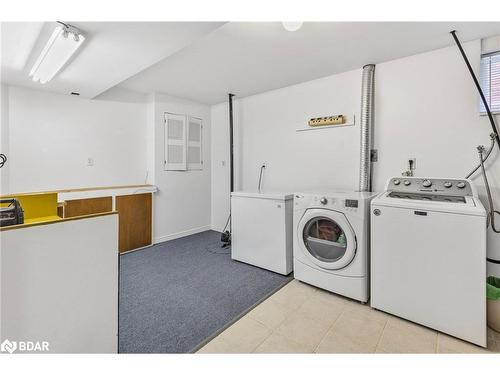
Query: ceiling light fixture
x,y
292,26
63,43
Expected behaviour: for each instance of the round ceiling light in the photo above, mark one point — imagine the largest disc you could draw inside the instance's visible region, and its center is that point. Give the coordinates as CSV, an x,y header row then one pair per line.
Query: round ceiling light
x,y
292,26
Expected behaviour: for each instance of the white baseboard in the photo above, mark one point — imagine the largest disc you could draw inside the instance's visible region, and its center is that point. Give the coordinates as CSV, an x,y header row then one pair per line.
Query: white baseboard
x,y
188,232
215,228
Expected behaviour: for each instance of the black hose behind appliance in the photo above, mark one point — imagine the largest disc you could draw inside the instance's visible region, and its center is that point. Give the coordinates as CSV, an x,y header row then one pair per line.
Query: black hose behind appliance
x,y
478,86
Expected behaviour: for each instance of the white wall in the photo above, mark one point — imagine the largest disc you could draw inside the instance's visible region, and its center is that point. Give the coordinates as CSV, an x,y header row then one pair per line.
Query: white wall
x,y
426,107
4,136
182,204
60,284
50,137
265,131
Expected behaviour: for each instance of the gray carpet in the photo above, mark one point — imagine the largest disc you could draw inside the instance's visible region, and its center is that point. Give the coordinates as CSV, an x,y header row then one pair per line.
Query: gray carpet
x,y
177,294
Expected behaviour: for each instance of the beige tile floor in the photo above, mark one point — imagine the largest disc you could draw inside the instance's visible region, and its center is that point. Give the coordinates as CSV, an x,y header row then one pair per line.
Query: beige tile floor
x,y
300,318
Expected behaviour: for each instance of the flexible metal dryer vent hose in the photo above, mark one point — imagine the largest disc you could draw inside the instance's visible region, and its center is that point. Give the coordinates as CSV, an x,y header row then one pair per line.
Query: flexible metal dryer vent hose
x,y
367,104
490,216
492,146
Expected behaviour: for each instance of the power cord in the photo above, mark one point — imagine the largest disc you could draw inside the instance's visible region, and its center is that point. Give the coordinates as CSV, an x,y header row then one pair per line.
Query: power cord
x,y
263,166
227,222
225,239
3,160
225,236
225,250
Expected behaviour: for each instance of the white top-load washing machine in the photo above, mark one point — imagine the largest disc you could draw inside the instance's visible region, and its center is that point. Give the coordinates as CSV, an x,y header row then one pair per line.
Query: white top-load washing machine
x,y
331,241
428,255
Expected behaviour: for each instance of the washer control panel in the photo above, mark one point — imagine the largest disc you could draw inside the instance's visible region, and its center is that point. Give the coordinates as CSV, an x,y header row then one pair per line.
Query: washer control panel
x,y
432,185
332,202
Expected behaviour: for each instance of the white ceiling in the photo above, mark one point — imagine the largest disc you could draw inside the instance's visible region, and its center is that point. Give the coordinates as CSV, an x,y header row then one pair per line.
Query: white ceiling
x,y
204,61
111,53
249,58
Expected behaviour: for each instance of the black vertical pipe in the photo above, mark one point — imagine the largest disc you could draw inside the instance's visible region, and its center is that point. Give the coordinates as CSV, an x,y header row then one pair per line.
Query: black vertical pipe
x,y
471,71
231,158
231,141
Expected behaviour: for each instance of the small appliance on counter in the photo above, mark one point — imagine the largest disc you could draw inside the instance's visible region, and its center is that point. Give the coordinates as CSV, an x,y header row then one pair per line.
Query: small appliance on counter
x,y
11,212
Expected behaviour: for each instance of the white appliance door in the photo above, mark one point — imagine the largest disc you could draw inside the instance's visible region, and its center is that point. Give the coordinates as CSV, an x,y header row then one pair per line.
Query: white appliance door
x,y
429,267
326,238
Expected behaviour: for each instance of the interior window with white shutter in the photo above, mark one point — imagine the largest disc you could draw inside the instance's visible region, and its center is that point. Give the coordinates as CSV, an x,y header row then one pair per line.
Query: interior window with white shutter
x,y
489,76
194,144
175,142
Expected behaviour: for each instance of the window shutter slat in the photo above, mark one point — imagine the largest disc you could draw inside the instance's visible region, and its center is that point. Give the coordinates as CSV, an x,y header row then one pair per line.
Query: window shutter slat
x,y
489,79
194,149
175,142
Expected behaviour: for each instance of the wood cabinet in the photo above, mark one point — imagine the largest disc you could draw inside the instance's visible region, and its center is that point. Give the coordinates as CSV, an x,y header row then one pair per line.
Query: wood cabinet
x,y
87,206
135,212
135,221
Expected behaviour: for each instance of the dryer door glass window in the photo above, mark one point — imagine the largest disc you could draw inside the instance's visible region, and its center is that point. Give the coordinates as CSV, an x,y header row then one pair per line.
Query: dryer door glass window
x,y
325,239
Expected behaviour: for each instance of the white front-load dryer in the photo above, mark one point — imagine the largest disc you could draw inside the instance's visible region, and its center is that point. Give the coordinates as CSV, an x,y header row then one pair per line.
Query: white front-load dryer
x,y
331,241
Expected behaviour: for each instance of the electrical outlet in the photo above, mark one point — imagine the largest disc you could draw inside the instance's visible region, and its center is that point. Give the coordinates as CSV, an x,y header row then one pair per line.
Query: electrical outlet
x,y
90,162
264,164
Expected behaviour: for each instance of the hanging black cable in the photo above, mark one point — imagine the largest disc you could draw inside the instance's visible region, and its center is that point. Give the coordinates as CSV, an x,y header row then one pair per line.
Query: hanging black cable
x,y
3,160
478,86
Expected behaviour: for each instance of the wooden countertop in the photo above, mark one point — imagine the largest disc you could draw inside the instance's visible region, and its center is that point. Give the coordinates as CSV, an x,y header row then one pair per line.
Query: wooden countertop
x,y
81,189
53,220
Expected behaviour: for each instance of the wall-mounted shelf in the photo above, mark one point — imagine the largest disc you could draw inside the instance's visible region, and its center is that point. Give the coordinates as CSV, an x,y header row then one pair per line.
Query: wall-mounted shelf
x,y
351,122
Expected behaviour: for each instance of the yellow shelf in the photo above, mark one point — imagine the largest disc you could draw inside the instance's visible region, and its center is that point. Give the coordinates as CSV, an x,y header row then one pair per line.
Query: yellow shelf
x,y
42,219
37,207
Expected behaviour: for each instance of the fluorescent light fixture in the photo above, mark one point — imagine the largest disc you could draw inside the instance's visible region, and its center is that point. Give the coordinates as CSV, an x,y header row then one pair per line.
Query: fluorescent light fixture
x,y
62,44
292,26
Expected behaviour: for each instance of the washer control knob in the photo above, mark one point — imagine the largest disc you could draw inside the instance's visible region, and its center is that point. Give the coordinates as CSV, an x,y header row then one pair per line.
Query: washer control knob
x,y
407,182
426,183
323,200
396,182
461,185
447,184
